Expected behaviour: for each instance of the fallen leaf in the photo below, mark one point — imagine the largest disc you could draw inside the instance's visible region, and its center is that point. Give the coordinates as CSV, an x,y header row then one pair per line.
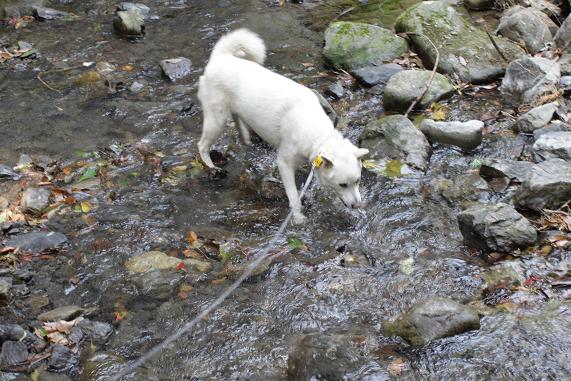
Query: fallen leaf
x,y
192,237
89,173
180,266
462,61
128,68
85,207
59,326
397,366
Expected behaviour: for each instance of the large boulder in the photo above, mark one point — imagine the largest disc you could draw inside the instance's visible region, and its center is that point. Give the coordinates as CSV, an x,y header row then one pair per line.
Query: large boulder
x,y
433,319
405,86
465,51
527,25
535,118
396,137
496,228
552,145
563,36
37,241
528,79
466,135
352,46
548,186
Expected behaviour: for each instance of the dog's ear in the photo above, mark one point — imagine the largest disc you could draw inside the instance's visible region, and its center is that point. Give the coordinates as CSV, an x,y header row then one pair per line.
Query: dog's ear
x,y
360,152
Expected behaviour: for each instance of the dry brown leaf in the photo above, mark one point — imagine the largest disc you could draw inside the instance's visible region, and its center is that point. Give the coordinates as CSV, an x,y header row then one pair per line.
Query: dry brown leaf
x,y
397,366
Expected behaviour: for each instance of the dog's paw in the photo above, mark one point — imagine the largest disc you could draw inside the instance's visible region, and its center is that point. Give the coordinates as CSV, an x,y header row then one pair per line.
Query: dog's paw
x,y
298,218
216,173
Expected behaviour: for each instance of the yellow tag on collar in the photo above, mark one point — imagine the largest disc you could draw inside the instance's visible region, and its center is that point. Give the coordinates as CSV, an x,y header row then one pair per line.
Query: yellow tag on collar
x,y
318,161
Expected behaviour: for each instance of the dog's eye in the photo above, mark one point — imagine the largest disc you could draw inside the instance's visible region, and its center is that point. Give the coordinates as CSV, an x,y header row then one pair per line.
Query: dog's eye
x,y
343,185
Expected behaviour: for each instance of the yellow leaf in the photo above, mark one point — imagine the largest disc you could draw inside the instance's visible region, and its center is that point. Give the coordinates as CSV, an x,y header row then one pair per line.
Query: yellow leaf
x,y
85,207
438,112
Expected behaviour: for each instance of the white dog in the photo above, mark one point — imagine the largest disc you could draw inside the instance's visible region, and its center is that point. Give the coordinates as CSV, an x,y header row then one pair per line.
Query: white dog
x,y
281,111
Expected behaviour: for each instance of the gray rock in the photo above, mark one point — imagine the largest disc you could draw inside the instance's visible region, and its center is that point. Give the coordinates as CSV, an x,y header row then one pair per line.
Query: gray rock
x,y
565,63
8,173
351,46
44,375
396,137
157,284
527,79
405,86
137,86
511,169
466,135
61,313
35,200
526,25
43,13
479,5
555,126
563,36
324,357
96,331
142,9
373,75
336,90
329,110
552,145
18,8
535,118
13,353
433,319
496,228
62,358
11,332
176,68
157,260
548,186
129,24
5,286
37,241
465,51
565,84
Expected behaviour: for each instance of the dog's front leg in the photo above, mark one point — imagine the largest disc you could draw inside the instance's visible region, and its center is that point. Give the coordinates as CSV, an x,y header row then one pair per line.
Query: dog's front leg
x,y
287,172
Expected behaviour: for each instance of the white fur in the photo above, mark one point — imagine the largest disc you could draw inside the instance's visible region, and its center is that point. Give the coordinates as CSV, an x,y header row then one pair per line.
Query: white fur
x,y
281,111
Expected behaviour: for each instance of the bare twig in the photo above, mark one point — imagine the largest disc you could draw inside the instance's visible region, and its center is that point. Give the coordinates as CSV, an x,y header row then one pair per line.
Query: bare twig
x,y
429,82
344,13
495,44
46,84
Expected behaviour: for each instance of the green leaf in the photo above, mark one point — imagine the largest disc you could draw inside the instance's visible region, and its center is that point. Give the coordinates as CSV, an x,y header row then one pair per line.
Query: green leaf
x,y
42,331
89,173
295,243
29,53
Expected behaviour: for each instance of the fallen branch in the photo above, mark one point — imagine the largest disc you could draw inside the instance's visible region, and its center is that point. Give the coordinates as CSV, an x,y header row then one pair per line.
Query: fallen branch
x,y
495,44
429,82
46,84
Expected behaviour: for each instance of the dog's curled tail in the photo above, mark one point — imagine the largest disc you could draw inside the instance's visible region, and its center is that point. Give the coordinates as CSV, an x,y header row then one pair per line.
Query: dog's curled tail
x,y
241,43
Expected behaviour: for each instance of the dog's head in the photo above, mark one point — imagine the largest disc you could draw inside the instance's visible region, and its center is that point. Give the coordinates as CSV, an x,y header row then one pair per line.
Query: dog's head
x,y
338,167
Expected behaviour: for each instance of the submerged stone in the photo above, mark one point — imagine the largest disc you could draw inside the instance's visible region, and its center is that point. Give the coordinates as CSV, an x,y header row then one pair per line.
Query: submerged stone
x,y
351,46
61,313
37,241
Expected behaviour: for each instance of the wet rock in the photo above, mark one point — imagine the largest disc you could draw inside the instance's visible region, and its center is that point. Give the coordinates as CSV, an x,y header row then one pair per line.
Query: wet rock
x,y
37,241
433,319
465,51
129,24
18,8
96,331
157,284
496,228
336,90
43,13
176,68
352,46
552,127
535,118
527,79
5,286
11,332
373,75
35,200
468,187
157,260
565,84
61,313
13,353
405,86
142,9
510,169
329,110
563,36
322,357
466,135
137,86
264,185
526,25
565,63
62,359
479,5
548,186
8,173
396,137
552,145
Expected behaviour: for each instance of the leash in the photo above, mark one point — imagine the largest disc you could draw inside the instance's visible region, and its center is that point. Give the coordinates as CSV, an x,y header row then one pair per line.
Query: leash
x,y
251,267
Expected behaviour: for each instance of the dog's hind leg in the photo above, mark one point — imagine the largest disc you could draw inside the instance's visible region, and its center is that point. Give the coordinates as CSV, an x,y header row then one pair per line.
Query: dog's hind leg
x,y
243,129
215,118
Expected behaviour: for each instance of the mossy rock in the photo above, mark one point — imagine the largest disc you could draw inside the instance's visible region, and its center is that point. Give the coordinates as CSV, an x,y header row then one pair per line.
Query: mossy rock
x,y
352,46
405,86
465,51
